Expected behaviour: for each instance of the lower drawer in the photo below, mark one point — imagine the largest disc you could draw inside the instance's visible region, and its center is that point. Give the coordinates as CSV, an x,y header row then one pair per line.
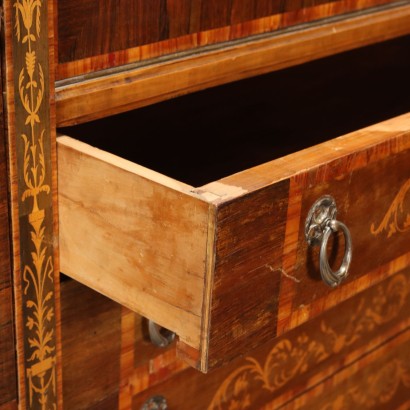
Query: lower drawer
x,y
274,374
353,356
380,380
225,264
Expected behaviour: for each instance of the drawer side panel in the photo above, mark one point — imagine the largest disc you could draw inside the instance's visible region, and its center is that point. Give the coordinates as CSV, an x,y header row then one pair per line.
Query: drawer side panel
x,y
139,242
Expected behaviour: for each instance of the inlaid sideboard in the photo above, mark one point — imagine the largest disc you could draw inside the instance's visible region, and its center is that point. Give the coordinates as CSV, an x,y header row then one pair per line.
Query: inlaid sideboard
x,y
231,174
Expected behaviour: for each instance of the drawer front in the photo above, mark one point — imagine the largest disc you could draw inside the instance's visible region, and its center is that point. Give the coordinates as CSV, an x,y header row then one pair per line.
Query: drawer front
x,y
147,30
373,201
230,268
135,85
267,279
378,381
276,372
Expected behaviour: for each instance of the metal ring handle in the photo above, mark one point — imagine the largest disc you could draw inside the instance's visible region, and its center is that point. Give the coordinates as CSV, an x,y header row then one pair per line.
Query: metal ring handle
x,y
159,336
319,225
155,403
331,278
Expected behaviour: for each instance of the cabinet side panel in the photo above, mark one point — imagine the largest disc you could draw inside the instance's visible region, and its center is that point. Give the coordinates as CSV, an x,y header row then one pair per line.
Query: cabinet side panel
x,y
8,381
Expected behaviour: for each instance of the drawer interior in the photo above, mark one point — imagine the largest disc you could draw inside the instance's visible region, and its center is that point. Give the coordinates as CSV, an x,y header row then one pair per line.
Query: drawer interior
x,y
210,134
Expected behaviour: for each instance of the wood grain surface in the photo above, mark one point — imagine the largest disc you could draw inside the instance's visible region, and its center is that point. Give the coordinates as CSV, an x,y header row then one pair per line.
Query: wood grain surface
x,y
372,197
87,99
281,370
377,381
127,232
312,353
8,369
298,301
93,35
246,278
91,331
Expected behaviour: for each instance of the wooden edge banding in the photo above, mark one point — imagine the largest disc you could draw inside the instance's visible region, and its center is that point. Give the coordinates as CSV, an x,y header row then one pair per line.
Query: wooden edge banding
x,y
118,92
52,47
68,143
209,276
279,18
289,257
378,140
307,312
8,89
189,355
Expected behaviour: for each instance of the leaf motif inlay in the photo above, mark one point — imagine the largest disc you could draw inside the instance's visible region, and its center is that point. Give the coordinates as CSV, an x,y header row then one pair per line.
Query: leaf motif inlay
x,y
397,218
37,275
288,358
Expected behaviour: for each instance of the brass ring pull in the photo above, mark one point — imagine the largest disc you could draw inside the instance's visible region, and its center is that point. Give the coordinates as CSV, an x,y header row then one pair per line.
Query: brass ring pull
x,y
320,224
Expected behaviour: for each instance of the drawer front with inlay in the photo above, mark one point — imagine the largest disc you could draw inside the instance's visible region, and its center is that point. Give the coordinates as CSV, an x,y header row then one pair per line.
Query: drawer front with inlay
x,y
303,360
260,251
274,374
146,30
226,264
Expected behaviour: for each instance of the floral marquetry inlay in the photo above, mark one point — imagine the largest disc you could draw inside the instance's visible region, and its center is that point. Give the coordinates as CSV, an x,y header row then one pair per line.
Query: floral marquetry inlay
x,y
397,218
379,388
289,358
37,265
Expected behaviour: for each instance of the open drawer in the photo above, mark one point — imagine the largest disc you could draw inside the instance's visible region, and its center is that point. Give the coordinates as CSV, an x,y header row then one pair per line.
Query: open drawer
x,y
210,242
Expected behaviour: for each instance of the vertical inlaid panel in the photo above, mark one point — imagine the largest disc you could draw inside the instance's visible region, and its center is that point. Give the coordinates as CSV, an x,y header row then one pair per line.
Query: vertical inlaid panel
x,y
31,142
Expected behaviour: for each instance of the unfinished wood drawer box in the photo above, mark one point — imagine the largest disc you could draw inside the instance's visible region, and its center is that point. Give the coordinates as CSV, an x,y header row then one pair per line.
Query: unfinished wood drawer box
x,y
223,260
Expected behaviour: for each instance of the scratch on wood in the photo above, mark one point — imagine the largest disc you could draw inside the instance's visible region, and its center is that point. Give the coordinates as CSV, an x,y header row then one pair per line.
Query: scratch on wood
x,y
281,270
